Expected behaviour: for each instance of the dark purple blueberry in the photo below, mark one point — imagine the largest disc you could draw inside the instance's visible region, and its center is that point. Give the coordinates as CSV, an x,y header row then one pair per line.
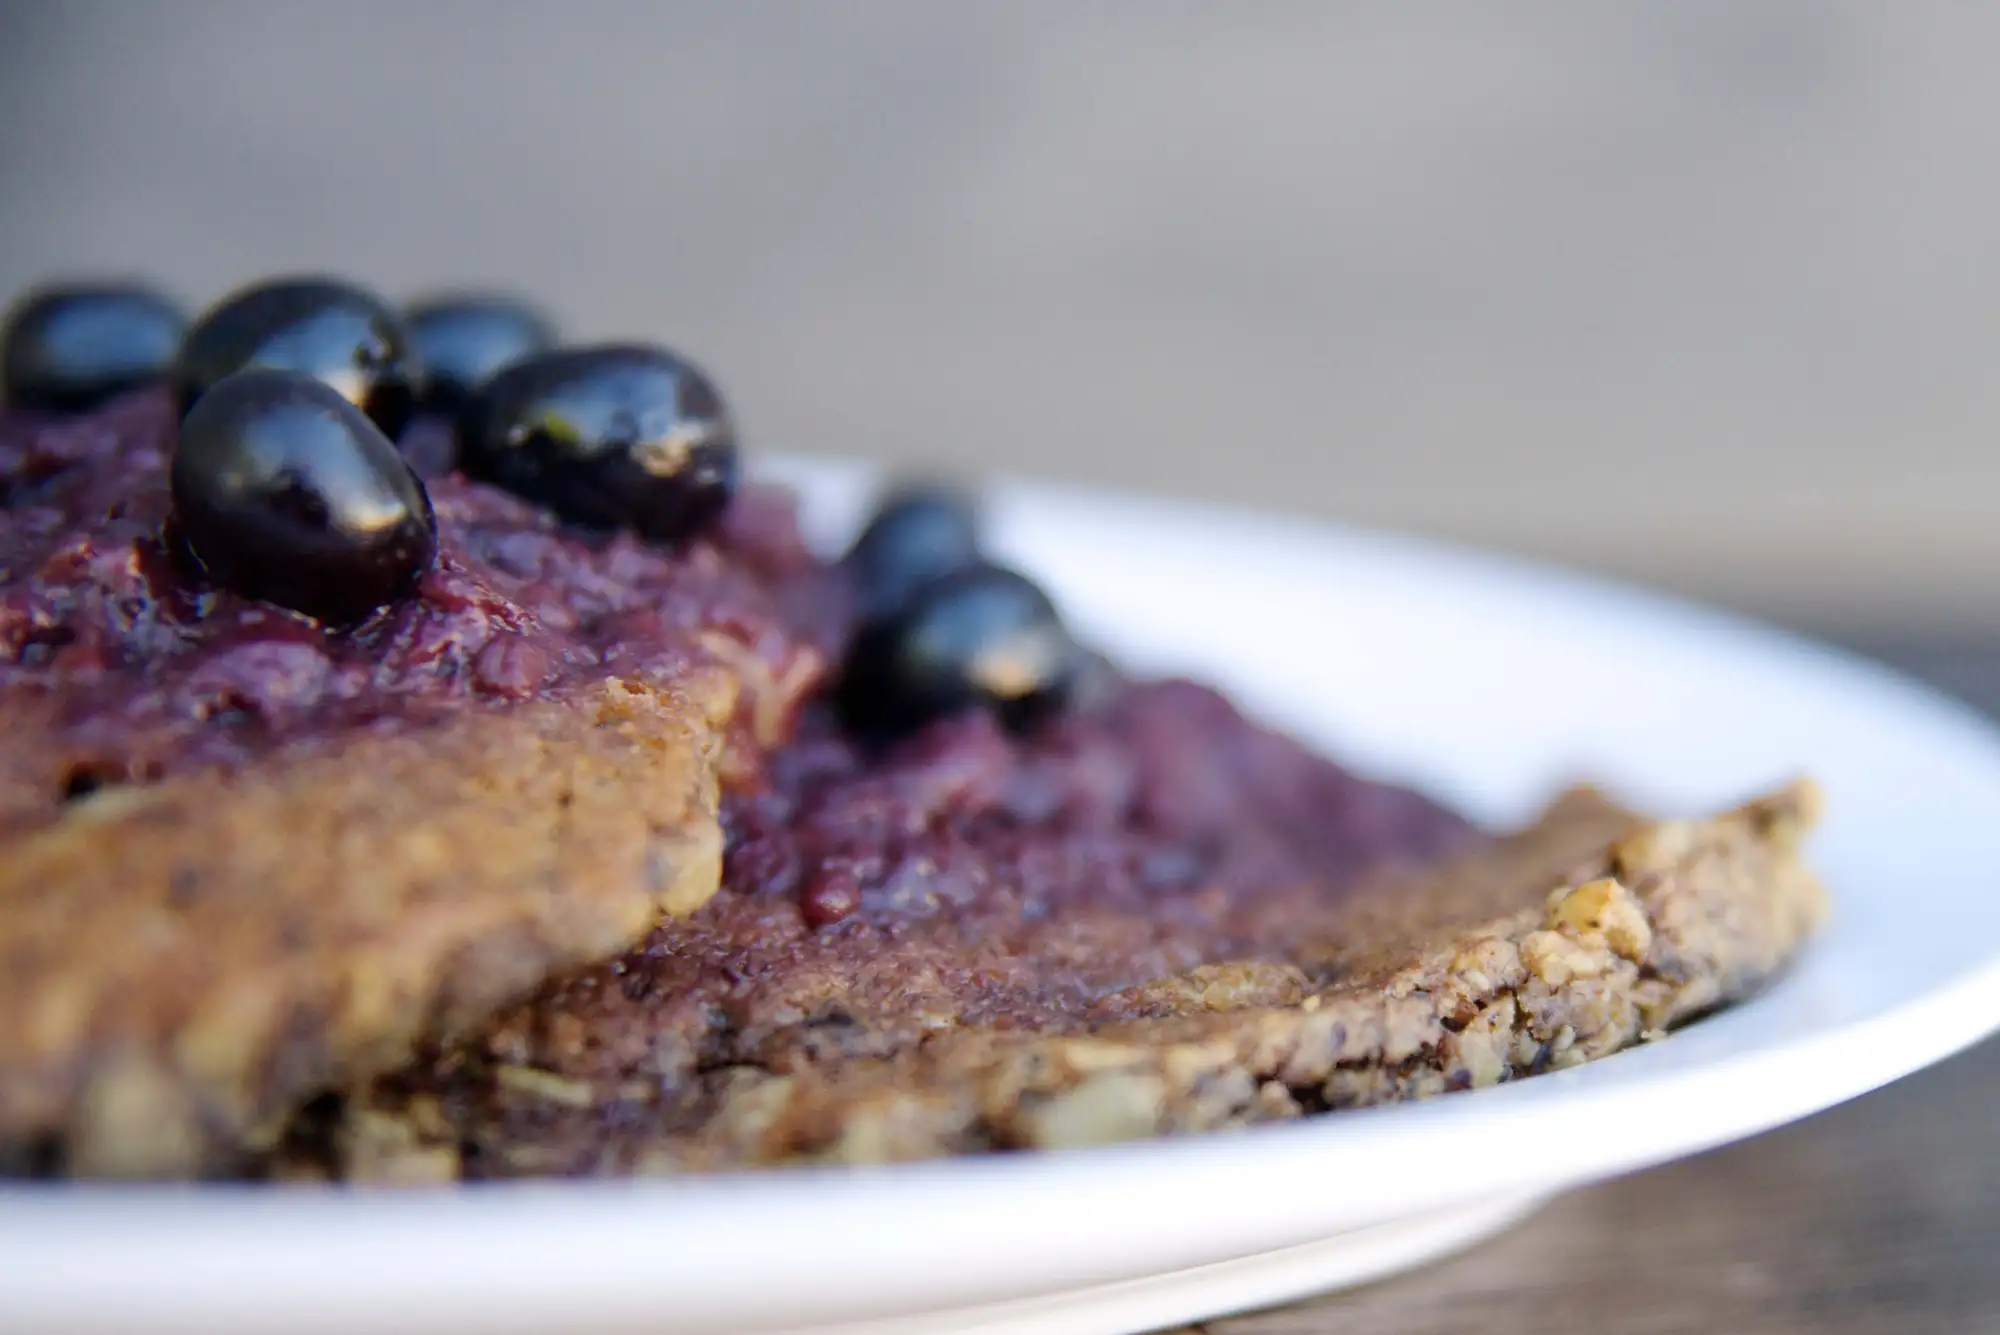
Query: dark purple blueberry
x,y
463,338
332,331
65,348
285,491
981,636
919,533
613,436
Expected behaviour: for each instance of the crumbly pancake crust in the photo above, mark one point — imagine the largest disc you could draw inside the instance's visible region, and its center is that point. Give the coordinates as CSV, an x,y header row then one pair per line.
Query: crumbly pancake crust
x,y
1592,930
181,964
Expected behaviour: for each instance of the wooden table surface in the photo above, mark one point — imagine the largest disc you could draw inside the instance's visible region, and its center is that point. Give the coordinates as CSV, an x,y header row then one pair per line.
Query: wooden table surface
x,y
1877,1217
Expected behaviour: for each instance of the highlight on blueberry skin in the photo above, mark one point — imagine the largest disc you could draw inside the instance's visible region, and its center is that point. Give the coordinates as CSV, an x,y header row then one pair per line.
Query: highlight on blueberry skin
x,y
981,637
336,332
621,435
73,346
920,532
464,338
284,491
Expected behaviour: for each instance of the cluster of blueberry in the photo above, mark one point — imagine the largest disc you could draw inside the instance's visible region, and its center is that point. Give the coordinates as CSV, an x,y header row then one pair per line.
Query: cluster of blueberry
x,y
941,627
288,486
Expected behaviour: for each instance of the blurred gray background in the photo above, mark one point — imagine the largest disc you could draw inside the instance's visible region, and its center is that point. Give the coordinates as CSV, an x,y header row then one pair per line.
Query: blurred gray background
x,y
1702,293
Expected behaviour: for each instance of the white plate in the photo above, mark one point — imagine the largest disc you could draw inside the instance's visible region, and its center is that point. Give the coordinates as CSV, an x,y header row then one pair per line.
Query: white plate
x,y
1488,682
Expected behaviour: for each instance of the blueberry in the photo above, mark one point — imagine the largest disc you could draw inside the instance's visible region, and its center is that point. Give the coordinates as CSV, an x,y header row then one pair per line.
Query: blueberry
x,y
320,327
919,533
463,338
980,636
614,436
283,490
70,347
